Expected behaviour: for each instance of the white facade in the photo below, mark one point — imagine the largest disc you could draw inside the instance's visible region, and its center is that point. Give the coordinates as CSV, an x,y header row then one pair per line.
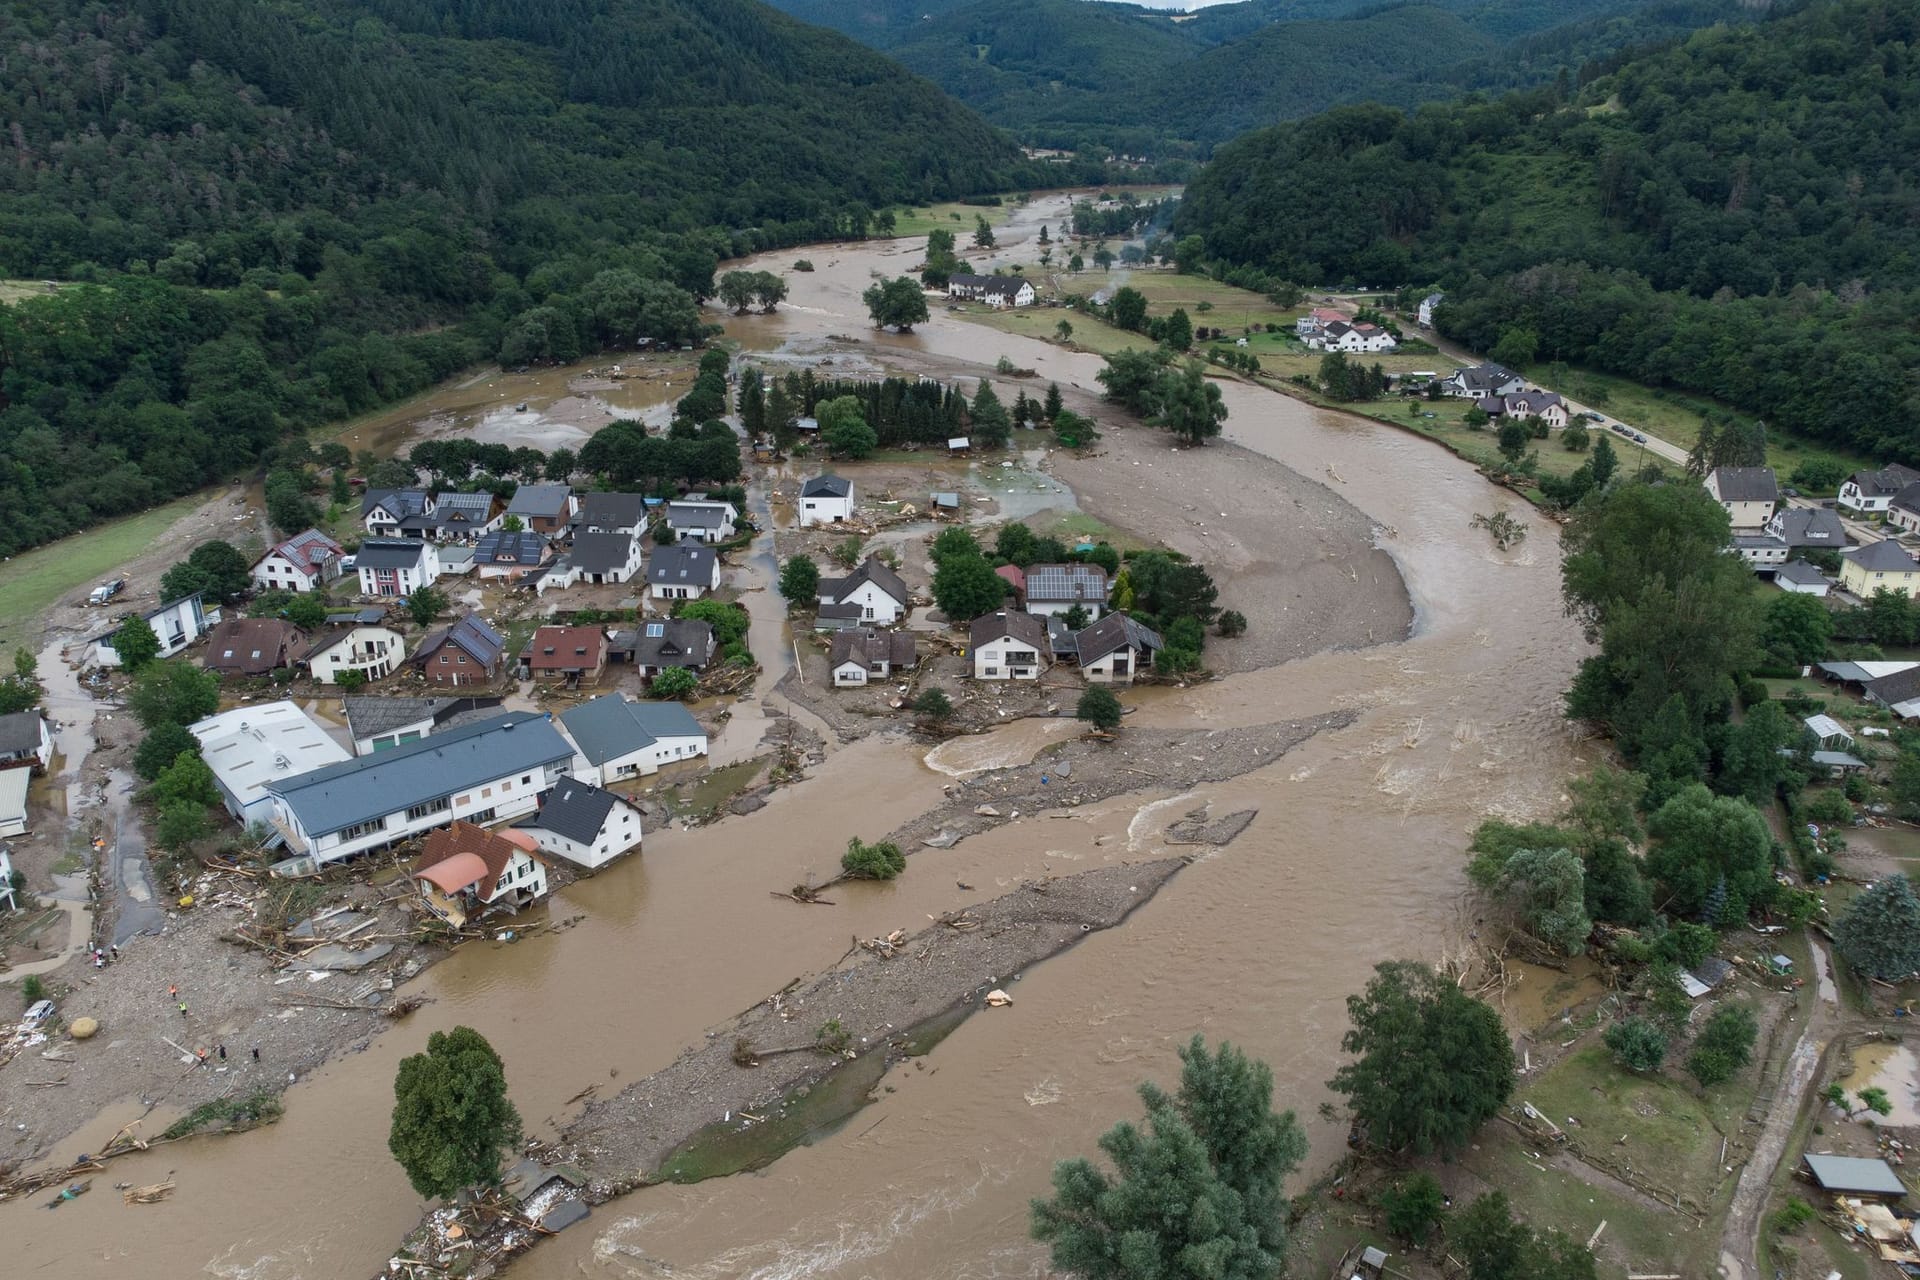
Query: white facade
x,y
504,797
1427,307
1803,588
825,508
698,529
177,624
689,588
1006,658
1118,667
877,605
375,652
852,674
620,834
642,761
403,580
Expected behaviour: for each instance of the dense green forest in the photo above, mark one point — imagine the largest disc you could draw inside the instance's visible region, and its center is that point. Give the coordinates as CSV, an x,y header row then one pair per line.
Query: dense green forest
x,y
290,210
1737,215
1090,75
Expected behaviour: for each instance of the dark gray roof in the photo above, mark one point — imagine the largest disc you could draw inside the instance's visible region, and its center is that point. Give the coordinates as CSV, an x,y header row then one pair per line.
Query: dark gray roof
x,y
672,642
1024,627
1063,642
370,717
1112,633
601,552
1901,686
1800,571
1854,1174
504,546
1483,378
544,500
398,502
1885,482
867,646
1746,484
389,553
851,609
1525,403
20,732
1712,971
689,515
574,809
1066,584
678,564
1886,556
1809,527
476,506
354,791
480,641
1006,286
826,486
872,569
612,510
368,617
610,727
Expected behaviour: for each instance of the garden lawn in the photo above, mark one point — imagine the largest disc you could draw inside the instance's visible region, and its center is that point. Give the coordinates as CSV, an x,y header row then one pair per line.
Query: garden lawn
x,y
954,216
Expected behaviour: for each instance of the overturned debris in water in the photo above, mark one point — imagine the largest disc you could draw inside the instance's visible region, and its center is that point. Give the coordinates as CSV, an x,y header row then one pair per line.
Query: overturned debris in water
x,y
1196,828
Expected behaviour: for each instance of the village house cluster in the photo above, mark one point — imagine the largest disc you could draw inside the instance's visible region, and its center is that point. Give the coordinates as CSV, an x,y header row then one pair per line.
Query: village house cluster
x,y
1849,548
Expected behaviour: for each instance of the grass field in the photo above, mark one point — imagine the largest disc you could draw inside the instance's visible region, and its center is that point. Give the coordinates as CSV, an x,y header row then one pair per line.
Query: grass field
x,y
1676,416
33,580
15,290
954,216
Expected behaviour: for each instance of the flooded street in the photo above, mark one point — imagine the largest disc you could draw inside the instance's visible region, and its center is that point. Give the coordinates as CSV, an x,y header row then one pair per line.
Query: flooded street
x,y
1355,858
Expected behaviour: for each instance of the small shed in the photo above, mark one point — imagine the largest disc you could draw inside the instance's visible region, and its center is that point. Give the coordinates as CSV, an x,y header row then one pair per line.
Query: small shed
x,y
1838,764
1854,1176
957,445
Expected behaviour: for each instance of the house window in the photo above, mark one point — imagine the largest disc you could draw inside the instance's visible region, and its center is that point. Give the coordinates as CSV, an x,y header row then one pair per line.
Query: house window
x,y
360,829
427,810
482,815
525,779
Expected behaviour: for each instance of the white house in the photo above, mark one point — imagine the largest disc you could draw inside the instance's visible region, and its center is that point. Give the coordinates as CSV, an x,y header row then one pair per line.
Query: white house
x,y
601,558
1872,492
509,554
698,520
1009,646
305,562
1054,589
1115,649
1748,494
1816,527
1760,550
1548,406
396,566
24,739
1903,511
1315,321
483,771
875,591
6,881
616,739
585,825
826,499
611,513
1428,305
383,511
178,623
13,801
466,871
1356,338
683,572
251,748
995,291
1801,578
359,642
1481,381
861,655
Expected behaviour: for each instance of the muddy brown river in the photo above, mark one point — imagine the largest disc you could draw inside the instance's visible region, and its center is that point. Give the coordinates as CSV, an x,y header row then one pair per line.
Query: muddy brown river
x,y
1355,858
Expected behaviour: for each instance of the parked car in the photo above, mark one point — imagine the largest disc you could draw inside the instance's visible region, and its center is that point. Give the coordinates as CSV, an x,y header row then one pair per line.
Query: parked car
x,y
37,1012
107,591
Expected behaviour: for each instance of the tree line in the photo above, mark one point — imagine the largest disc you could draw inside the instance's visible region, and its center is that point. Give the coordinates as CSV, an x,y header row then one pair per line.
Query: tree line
x,y
274,215
1726,216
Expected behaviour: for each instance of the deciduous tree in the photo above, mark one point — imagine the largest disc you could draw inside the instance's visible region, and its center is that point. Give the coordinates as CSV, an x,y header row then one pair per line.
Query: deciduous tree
x,y
1099,708
452,1120
966,587
896,304
800,580
173,693
1431,1064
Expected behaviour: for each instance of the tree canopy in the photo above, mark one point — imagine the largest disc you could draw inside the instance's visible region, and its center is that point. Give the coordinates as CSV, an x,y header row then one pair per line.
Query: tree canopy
x,y
1432,1064
1879,934
1197,1192
452,1121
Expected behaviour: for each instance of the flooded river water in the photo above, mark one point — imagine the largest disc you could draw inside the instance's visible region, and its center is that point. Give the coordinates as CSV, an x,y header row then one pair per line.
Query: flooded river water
x,y
1355,858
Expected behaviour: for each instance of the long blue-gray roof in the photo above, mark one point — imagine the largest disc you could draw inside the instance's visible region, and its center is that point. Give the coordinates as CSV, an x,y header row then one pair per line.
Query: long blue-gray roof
x,y
354,791
610,727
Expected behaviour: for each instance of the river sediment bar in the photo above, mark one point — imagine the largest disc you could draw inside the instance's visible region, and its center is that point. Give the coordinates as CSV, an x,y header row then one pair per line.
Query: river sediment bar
x,y
624,1139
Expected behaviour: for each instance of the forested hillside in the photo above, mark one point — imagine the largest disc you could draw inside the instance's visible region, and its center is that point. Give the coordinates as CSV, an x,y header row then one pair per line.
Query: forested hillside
x,y
1738,215
1087,74
298,209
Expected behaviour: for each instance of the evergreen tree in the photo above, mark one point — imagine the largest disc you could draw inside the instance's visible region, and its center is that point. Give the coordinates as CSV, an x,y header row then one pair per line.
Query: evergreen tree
x,y
1054,402
1879,934
1197,1192
989,424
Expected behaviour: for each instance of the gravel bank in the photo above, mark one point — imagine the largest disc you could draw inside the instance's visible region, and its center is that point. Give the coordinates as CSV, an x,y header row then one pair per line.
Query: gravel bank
x,y
1084,771
622,1139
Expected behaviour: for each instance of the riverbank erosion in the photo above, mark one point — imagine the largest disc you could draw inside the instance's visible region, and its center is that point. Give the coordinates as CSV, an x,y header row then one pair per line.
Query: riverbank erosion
x,y
773,1055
